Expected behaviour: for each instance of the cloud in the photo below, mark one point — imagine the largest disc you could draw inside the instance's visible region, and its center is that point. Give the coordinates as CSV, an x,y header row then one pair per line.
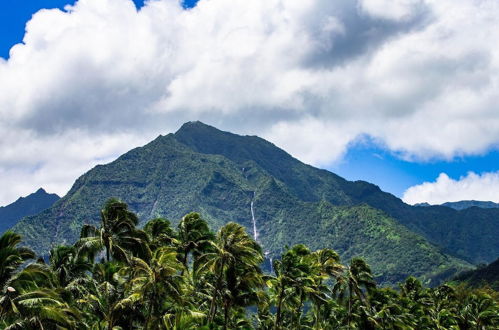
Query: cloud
x,y
484,187
391,9
311,76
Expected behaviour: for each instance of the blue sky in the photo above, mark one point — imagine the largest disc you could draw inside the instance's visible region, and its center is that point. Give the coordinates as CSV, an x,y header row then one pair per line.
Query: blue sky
x,y
14,14
369,89
372,163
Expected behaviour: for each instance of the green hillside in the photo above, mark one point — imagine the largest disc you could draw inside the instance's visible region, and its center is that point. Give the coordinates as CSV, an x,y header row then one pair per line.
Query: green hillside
x,y
484,275
227,177
471,234
25,206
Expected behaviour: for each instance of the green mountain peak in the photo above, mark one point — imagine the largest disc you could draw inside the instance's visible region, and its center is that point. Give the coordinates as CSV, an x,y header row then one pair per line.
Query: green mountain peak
x,y
280,200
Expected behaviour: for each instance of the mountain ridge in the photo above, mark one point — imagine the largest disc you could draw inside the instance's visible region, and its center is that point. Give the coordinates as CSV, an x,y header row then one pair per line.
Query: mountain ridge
x,y
24,206
227,177
464,204
425,221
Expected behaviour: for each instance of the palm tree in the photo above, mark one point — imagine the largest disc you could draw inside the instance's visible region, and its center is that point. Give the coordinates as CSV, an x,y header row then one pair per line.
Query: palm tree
x,y
102,296
36,300
117,233
293,277
11,256
68,264
478,311
194,237
160,233
154,283
356,281
235,261
37,309
326,265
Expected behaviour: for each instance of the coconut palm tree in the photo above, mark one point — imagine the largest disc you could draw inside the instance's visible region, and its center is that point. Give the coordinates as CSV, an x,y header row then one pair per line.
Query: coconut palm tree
x,y
43,308
194,237
478,311
235,261
160,233
68,264
117,234
11,256
102,298
293,277
355,282
325,265
155,283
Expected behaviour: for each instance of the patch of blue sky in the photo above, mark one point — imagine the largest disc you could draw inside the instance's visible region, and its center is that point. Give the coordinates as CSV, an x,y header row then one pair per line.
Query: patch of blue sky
x,y
370,162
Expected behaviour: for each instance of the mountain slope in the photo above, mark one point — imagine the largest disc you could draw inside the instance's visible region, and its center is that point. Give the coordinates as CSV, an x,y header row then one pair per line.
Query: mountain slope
x,y
484,275
227,177
461,205
25,206
471,234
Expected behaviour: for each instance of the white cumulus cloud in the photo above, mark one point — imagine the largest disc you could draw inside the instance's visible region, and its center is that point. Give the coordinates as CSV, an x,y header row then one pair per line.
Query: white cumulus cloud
x,y
483,187
421,76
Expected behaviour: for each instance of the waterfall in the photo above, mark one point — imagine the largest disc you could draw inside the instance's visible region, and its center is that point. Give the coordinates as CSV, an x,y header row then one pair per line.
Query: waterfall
x,y
266,253
255,231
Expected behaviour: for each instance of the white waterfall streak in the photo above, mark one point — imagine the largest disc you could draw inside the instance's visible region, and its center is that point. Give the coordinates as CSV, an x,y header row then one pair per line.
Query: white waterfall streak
x,y
255,231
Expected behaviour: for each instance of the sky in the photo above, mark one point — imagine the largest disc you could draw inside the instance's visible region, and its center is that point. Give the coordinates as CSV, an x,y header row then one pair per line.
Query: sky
x,y
400,93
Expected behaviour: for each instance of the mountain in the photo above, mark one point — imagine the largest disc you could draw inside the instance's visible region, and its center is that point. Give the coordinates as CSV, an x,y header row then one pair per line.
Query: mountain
x,y
461,205
424,204
470,234
25,206
282,201
483,275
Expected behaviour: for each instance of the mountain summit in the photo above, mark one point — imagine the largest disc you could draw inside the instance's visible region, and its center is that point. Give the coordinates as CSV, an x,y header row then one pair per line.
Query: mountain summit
x,y
25,206
280,200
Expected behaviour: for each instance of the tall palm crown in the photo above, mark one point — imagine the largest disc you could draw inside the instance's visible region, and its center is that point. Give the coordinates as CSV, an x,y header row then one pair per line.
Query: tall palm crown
x,y
11,256
160,233
235,261
194,237
68,264
117,233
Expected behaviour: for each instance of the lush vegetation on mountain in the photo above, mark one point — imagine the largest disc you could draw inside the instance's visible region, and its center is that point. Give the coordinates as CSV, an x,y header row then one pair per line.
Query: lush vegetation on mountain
x,y
227,177
482,276
25,206
461,205
117,276
471,234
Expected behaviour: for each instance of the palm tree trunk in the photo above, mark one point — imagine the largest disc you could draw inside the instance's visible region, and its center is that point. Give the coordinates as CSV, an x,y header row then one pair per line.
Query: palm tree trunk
x,y
184,261
277,324
226,315
151,311
213,307
298,312
350,296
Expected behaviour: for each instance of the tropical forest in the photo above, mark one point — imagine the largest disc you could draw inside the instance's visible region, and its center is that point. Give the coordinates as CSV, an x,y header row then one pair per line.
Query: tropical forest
x,y
117,276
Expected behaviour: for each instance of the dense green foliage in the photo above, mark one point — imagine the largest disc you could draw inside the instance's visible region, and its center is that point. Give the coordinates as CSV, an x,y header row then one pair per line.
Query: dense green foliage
x,y
483,275
117,276
222,175
25,206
